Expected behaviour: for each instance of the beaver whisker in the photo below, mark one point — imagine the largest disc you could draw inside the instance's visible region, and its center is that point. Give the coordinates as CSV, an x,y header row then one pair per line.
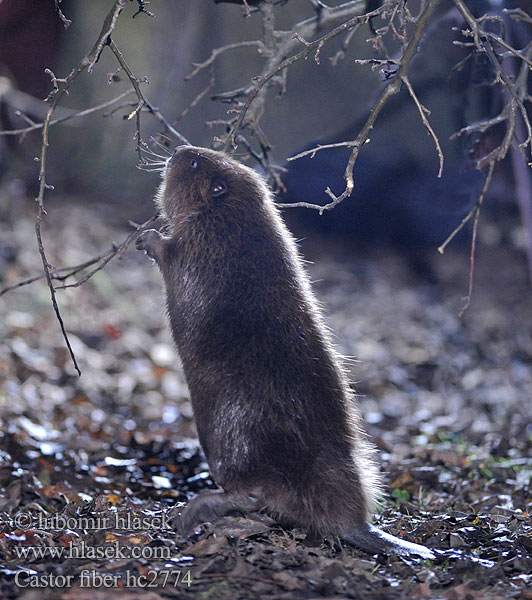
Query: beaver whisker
x,y
154,162
150,152
150,168
161,146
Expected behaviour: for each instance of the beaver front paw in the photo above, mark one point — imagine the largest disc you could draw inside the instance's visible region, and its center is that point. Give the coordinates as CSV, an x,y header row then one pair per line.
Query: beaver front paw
x,y
149,241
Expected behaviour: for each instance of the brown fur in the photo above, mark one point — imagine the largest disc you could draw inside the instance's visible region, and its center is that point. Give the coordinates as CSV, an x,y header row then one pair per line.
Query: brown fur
x,y
275,414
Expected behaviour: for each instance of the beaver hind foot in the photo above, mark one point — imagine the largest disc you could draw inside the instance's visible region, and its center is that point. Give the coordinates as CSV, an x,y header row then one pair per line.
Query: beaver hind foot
x,y
213,505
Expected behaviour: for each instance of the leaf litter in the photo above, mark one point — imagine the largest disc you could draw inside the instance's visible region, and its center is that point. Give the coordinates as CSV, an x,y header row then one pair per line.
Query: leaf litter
x,y
104,461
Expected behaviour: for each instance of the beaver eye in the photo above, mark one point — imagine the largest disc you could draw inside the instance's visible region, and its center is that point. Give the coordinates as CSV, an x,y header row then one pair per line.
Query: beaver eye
x,y
218,188
194,163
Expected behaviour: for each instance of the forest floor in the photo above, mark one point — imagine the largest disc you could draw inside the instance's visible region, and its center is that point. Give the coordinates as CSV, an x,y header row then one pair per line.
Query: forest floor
x,y
91,467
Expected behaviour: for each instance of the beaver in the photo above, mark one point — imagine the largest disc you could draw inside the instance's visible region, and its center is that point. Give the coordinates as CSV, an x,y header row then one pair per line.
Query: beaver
x,y
275,414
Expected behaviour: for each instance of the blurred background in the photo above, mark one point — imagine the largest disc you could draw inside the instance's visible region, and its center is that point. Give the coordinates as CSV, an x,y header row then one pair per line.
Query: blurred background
x,y
392,300
398,200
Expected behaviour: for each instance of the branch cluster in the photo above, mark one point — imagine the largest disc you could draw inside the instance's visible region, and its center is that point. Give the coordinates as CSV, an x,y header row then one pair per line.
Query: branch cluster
x,y
60,87
511,63
282,49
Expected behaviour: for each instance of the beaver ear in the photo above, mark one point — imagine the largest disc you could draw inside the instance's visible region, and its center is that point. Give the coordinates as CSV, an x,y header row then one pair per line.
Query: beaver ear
x,y
218,188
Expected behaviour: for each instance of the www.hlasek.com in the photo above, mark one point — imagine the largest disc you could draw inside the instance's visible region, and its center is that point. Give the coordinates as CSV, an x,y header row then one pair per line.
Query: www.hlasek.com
x,y
81,550
91,579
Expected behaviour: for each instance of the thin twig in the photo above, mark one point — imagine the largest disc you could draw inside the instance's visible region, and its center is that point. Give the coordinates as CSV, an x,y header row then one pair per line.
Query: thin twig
x,y
511,49
312,151
216,52
47,271
478,204
518,14
54,97
142,100
471,263
199,97
75,115
64,273
66,22
474,212
115,252
423,112
481,126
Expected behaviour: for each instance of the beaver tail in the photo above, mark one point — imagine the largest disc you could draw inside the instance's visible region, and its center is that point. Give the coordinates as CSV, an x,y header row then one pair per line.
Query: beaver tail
x,y
373,540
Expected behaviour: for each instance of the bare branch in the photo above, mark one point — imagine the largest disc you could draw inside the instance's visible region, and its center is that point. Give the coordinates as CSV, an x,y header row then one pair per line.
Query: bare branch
x,y
511,49
518,14
423,112
64,273
467,218
471,263
199,97
391,89
54,97
481,126
60,88
142,100
312,151
103,261
275,67
105,34
216,52
66,22
47,271
74,115
516,88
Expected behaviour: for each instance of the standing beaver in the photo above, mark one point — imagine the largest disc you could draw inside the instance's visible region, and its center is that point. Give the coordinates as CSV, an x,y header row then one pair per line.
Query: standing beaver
x,y
274,412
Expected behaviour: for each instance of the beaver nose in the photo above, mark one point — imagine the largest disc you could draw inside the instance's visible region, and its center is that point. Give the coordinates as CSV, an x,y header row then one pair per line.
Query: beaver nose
x,y
176,153
181,147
